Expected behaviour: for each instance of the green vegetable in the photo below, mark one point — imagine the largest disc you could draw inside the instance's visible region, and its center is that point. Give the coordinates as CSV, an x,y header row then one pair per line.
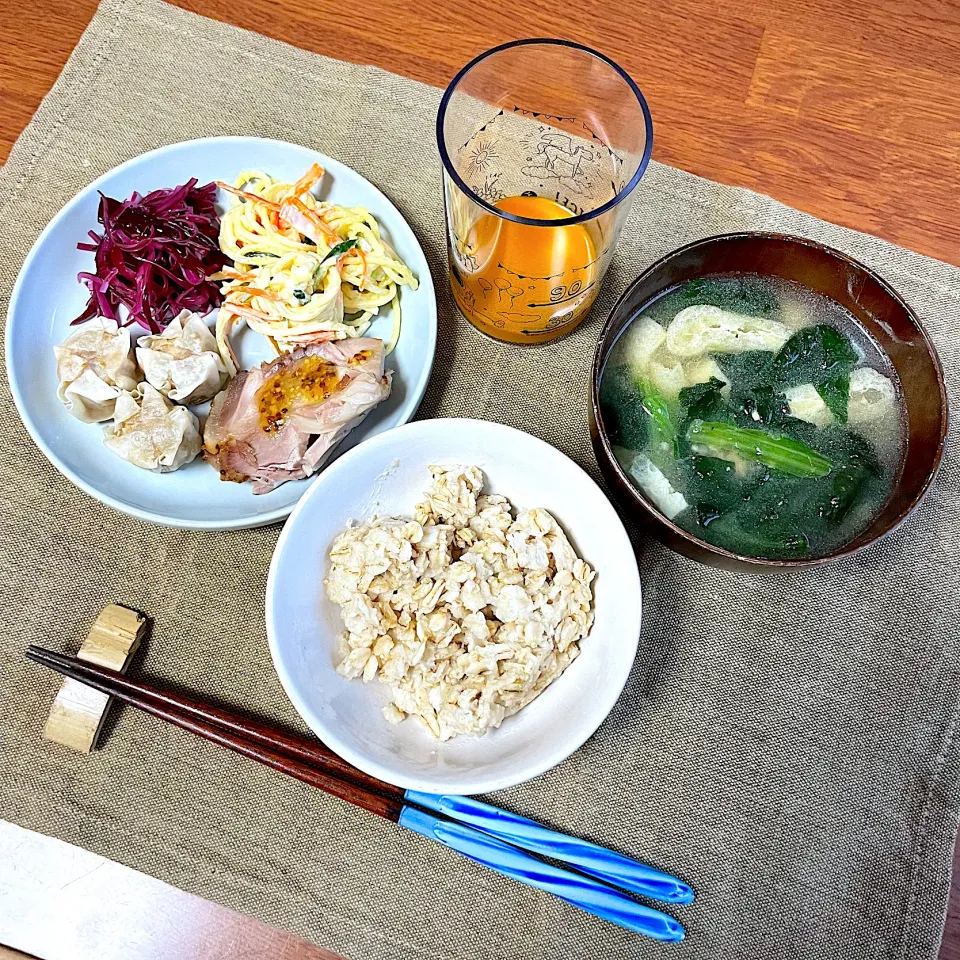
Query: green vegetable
x,y
812,355
780,453
857,477
301,296
762,540
774,510
635,414
746,370
761,405
844,488
621,406
757,406
342,247
703,401
713,485
749,295
857,451
803,432
259,253
835,394
339,248
663,433
820,355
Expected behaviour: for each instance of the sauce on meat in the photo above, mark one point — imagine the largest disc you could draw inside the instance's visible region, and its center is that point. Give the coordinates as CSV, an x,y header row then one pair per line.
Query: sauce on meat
x,y
310,380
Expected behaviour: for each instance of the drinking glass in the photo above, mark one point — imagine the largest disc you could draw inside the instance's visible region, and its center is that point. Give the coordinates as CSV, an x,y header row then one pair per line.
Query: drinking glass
x,y
543,142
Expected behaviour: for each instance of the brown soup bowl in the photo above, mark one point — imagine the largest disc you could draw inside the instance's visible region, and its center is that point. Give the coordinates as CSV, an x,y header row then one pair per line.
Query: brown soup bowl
x,y
875,305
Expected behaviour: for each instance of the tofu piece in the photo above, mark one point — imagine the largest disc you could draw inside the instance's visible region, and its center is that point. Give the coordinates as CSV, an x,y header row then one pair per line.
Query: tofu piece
x,y
795,315
707,329
640,341
704,369
805,403
653,482
872,398
665,373
668,379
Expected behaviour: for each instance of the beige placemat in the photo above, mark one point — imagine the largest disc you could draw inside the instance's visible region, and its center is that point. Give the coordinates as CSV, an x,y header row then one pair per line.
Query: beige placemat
x,y
786,743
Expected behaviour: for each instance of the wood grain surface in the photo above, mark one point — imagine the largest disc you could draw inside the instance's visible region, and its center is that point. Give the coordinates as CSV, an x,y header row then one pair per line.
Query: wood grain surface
x,y
848,109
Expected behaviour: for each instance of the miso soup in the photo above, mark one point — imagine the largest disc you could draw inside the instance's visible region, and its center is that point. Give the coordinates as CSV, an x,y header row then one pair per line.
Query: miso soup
x,y
756,414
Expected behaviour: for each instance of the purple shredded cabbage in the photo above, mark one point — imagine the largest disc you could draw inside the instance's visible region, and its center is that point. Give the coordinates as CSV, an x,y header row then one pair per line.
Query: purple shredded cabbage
x,y
155,256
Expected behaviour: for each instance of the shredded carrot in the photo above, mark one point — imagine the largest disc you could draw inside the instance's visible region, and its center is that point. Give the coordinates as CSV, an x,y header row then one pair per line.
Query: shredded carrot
x,y
257,292
227,274
252,197
243,311
313,218
306,183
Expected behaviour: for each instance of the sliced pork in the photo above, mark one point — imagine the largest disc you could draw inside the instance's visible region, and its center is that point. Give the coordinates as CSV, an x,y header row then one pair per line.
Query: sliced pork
x,y
281,420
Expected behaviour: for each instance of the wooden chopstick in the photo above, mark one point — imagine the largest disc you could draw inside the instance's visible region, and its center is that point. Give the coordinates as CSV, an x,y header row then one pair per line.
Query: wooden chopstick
x,y
302,748
295,756
486,834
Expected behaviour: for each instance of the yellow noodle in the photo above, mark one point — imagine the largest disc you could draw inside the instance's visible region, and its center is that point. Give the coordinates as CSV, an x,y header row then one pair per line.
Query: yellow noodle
x,y
305,296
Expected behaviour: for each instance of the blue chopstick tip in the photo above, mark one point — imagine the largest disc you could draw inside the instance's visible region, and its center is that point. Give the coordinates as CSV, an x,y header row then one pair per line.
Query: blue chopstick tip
x,y
676,930
683,894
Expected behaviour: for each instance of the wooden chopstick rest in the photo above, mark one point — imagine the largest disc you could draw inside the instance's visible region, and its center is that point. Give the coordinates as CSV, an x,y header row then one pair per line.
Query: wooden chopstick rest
x,y
78,711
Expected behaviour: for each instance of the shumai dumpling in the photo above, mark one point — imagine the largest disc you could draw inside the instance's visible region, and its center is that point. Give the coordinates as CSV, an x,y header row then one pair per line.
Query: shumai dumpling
x,y
95,365
151,432
183,362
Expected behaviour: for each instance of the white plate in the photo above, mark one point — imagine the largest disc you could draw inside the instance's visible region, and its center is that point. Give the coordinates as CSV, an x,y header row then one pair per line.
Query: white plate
x,y
386,476
47,296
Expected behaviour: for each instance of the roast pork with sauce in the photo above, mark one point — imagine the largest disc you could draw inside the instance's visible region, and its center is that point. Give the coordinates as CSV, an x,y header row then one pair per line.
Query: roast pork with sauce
x,y
281,420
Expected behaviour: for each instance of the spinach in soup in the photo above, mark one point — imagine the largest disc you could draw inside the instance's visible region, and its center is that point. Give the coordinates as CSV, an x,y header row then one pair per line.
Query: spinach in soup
x,y
756,414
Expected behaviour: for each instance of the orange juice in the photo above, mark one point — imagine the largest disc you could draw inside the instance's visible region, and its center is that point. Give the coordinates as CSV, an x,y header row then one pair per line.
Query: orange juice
x,y
525,283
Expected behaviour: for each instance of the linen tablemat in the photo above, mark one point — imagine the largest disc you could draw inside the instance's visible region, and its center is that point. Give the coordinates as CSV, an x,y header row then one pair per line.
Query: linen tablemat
x,y
785,743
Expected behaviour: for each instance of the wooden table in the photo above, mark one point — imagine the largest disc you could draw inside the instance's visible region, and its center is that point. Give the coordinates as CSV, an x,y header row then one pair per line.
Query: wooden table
x,y
848,109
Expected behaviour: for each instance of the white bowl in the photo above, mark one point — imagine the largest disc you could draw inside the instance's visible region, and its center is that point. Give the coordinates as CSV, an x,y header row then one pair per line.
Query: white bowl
x,y
47,296
386,476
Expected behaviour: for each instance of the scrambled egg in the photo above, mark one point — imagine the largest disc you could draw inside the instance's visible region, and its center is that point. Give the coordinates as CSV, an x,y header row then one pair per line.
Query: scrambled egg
x,y
466,612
